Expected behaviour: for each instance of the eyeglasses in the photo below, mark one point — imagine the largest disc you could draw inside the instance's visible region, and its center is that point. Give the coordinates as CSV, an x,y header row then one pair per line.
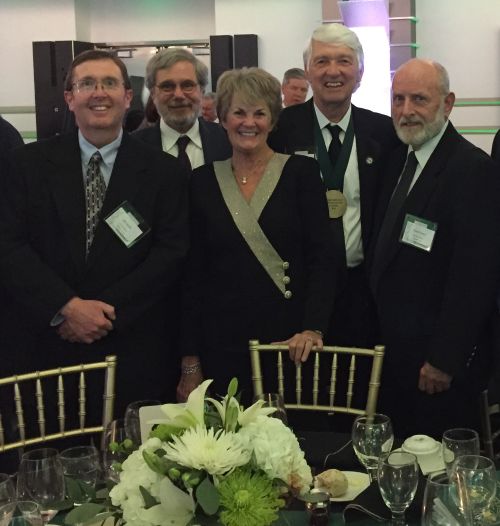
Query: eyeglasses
x,y
90,84
187,86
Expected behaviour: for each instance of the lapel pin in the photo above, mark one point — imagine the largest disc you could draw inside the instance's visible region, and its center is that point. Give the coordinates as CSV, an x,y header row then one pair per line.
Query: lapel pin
x,y
369,160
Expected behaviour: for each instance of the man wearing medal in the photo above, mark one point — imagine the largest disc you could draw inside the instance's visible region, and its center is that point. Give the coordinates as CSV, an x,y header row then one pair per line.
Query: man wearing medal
x,y
350,144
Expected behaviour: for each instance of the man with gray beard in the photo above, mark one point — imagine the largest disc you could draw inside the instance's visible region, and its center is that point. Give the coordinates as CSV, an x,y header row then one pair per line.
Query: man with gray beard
x,y
435,266
177,81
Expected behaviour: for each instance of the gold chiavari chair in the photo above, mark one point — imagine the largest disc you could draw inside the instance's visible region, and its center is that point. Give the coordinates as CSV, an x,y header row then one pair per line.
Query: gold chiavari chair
x,y
328,358
39,379
490,426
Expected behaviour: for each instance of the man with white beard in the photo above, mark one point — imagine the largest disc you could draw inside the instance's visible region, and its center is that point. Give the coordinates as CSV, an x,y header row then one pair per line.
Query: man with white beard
x,y
435,266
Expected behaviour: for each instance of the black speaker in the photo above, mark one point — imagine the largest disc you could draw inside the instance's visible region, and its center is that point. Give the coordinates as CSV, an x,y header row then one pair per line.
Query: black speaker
x,y
246,51
221,56
51,61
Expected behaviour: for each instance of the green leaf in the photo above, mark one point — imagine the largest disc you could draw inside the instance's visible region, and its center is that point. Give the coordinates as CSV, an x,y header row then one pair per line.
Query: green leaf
x,y
149,500
83,513
164,432
208,497
233,387
61,505
231,418
155,463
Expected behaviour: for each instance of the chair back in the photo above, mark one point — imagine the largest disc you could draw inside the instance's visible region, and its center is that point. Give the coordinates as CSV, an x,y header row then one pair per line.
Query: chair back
x,y
490,426
327,359
39,379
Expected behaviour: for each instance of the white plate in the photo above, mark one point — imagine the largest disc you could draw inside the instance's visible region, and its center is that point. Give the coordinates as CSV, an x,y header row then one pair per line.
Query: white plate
x,y
357,482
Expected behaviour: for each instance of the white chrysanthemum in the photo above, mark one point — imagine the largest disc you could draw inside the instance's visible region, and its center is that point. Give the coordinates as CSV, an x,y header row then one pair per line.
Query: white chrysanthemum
x,y
277,452
215,452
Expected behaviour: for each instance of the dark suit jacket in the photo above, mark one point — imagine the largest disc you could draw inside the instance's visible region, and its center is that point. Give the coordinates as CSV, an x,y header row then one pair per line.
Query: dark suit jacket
x,y
375,138
43,265
9,140
435,306
214,140
495,148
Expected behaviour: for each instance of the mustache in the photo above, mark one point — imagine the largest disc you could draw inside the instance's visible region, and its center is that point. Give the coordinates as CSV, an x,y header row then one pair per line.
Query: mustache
x,y
180,105
409,120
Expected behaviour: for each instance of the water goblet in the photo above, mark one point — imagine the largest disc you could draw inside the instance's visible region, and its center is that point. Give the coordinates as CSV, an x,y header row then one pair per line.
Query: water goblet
x,y
132,422
113,455
274,400
439,506
7,499
40,478
398,481
27,514
372,438
82,465
457,442
476,482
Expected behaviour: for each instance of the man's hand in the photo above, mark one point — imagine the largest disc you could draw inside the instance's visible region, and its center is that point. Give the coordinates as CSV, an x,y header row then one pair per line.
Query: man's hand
x,y
300,345
86,320
433,380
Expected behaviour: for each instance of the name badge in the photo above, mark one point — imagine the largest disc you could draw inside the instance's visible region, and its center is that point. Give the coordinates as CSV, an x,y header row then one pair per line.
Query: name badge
x,y
418,232
127,224
305,153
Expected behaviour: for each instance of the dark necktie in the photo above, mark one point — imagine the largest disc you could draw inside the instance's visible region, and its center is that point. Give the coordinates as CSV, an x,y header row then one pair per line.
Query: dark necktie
x,y
95,190
335,144
182,143
393,210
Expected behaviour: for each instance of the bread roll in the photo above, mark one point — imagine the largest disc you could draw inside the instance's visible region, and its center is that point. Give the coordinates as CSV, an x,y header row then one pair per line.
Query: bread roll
x,y
333,481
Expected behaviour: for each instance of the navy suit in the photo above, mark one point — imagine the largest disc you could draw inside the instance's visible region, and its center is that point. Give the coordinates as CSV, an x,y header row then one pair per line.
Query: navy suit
x,y
43,264
438,306
214,140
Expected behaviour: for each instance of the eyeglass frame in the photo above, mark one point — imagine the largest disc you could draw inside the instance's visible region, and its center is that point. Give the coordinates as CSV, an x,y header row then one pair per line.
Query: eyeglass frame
x,y
168,87
97,82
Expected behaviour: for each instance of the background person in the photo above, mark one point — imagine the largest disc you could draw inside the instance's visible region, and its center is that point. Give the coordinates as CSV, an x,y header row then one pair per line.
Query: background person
x,y
261,264
294,87
209,107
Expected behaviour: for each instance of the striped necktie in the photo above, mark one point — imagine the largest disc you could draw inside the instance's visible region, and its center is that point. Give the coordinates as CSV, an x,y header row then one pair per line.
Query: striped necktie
x,y
95,190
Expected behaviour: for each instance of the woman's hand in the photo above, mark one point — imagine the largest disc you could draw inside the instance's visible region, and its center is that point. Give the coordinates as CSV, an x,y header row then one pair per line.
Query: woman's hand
x,y
191,377
300,345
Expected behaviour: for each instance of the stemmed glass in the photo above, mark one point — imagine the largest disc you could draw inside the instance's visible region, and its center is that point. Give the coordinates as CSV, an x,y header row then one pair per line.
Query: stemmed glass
x,y
476,482
398,481
132,422
372,438
7,499
440,502
27,514
457,442
274,400
113,455
41,479
82,465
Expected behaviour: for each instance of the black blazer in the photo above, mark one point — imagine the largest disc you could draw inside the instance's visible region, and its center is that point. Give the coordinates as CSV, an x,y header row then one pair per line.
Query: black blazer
x,y
375,138
42,251
495,148
435,306
214,140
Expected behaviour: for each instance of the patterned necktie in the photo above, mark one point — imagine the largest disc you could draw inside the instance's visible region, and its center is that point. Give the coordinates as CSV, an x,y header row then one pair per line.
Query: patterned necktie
x,y
335,144
95,189
182,143
392,213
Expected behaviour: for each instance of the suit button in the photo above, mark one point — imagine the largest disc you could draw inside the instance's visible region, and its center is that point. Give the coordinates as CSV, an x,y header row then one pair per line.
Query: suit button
x,y
285,265
288,294
286,280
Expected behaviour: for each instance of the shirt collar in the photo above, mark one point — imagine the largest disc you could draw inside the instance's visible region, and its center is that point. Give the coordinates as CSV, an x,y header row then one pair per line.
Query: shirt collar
x,y
170,136
108,152
424,153
323,121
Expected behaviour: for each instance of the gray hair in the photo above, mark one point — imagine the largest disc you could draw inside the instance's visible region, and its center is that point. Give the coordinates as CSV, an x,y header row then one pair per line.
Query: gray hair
x,y
294,73
166,58
252,85
335,34
210,95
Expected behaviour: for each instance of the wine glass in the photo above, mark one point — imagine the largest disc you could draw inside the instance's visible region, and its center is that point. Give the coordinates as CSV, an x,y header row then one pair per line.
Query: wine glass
x,y
476,482
372,438
132,422
27,514
440,502
7,499
274,400
398,481
81,464
41,479
457,442
113,454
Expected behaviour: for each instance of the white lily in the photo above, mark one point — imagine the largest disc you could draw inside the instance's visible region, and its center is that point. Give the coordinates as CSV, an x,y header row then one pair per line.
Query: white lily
x,y
190,414
246,416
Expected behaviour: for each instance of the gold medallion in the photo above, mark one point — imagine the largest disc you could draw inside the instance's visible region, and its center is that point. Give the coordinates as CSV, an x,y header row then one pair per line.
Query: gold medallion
x,y
337,203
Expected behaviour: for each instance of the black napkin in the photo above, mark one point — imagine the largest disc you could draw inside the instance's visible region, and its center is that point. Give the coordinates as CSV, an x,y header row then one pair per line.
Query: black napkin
x,y
370,503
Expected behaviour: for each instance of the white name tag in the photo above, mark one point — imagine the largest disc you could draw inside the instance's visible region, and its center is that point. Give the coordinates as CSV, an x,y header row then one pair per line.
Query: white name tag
x,y
418,232
127,224
305,153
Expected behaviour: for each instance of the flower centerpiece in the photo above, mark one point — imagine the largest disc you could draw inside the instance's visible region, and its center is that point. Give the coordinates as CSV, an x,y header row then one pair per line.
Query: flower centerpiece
x,y
211,459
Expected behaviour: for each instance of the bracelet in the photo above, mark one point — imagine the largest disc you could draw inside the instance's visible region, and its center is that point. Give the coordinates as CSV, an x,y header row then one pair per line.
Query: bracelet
x,y
191,369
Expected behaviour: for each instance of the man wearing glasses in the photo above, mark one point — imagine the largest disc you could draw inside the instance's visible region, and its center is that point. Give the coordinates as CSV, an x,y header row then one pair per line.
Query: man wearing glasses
x,y
177,80
93,235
